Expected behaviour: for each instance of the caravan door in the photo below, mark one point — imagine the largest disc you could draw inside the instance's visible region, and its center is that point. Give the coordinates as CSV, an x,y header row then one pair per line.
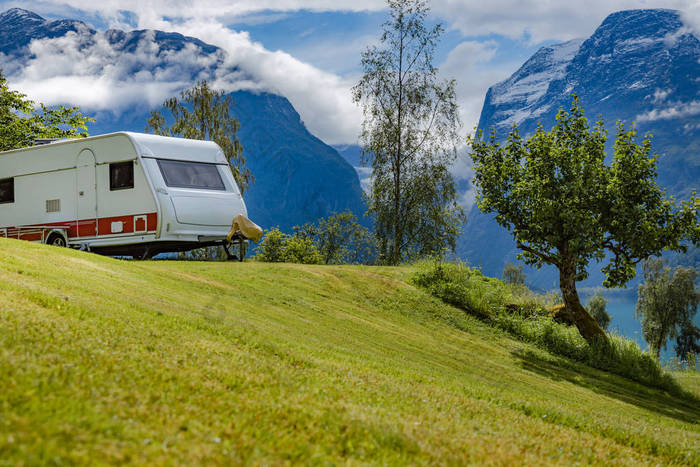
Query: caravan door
x,y
86,191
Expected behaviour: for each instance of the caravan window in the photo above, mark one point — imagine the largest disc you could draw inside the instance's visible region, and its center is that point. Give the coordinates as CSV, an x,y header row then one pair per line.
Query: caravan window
x,y
7,190
121,175
181,174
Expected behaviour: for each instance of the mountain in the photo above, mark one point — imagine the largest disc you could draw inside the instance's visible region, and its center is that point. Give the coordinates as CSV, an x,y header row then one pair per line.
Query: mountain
x,y
640,66
298,178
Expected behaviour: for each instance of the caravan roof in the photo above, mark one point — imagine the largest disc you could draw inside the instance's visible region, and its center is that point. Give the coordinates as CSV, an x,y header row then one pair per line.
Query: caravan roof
x,y
149,146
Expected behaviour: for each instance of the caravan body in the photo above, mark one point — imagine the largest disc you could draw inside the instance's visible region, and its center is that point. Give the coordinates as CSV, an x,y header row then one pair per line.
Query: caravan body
x,y
120,194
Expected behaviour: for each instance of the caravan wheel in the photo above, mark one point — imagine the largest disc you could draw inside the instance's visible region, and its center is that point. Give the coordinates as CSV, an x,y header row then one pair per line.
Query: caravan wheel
x,y
56,240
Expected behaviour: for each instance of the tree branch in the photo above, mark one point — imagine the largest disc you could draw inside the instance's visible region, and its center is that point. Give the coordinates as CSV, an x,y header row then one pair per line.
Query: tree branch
x,y
549,259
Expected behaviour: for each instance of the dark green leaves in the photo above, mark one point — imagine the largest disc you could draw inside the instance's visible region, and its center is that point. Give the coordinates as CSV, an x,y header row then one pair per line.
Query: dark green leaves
x,y
21,122
559,197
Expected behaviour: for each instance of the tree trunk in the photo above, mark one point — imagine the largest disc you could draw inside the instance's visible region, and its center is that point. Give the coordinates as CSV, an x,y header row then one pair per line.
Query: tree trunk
x,y
587,326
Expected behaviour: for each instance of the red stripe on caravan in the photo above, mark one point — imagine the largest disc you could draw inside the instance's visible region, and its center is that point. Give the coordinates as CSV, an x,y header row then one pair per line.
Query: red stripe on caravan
x,y
87,227
139,223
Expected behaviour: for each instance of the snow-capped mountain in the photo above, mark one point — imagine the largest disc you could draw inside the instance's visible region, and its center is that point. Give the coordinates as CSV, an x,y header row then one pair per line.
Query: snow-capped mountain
x,y
298,178
640,66
520,96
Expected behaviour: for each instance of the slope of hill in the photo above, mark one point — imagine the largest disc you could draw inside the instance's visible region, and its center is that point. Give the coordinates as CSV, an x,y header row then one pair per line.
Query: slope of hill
x,y
298,178
639,66
105,360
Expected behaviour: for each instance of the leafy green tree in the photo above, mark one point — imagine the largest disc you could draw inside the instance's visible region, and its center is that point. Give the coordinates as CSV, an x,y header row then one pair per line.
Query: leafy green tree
x,y
513,274
21,122
666,301
341,239
596,307
409,137
565,206
203,113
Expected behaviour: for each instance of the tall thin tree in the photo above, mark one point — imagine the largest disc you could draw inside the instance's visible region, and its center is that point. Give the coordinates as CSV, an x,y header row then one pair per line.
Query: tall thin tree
x,y
409,137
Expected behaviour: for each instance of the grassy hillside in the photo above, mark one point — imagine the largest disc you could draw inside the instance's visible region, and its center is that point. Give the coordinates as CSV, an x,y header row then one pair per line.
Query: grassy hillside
x,y
166,362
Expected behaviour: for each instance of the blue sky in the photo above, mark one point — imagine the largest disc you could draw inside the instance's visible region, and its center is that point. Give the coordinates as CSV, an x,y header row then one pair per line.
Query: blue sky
x,y
309,50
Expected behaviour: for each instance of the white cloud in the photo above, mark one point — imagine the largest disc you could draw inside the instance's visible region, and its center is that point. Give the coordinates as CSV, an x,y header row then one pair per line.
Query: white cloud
x,y
323,99
540,20
660,95
321,96
679,110
462,63
691,17
86,70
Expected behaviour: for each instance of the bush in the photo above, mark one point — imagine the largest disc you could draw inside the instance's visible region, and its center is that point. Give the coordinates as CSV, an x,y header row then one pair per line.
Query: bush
x,y
341,239
272,246
461,286
522,313
301,250
278,247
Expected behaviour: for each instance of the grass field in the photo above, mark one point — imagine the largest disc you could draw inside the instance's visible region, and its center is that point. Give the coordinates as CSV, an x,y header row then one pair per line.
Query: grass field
x,y
164,362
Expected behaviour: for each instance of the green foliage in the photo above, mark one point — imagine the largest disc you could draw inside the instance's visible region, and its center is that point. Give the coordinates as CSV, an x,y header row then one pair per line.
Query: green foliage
x,y
301,250
556,190
596,307
203,113
272,246
666,304
278,247
21,123
409,138
527,319
565,206
462,286
513,274
341,239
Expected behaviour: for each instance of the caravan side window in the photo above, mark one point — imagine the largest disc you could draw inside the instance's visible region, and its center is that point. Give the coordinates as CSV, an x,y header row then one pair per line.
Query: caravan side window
x,y
121,175
7,190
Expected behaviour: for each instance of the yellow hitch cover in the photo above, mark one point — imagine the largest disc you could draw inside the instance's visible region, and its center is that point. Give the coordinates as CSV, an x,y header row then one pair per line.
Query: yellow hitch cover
x,y
248,228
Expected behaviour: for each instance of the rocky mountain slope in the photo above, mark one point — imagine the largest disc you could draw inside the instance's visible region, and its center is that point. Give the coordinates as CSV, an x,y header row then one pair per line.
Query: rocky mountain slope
x,y
640,66
298,178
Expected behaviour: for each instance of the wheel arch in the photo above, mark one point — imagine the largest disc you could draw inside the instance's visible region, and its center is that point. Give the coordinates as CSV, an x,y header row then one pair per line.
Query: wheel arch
x,y
53,232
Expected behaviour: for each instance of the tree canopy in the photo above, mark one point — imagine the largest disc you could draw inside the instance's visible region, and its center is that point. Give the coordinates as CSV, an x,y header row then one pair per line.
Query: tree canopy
x,y
409,137
566,206
204,113
22,121
666,304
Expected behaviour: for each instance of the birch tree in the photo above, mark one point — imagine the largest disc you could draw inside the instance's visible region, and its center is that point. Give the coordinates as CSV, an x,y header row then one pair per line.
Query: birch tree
x,y
409,137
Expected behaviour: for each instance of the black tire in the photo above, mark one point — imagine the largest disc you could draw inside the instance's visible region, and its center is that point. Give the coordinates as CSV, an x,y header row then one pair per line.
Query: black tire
x,y
56,240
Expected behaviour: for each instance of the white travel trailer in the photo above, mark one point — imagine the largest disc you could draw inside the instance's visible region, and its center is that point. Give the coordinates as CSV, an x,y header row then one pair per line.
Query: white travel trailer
x,y
123,194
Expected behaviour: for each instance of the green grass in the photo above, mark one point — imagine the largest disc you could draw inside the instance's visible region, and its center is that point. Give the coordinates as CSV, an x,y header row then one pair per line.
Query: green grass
x,y
526,316
164,362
